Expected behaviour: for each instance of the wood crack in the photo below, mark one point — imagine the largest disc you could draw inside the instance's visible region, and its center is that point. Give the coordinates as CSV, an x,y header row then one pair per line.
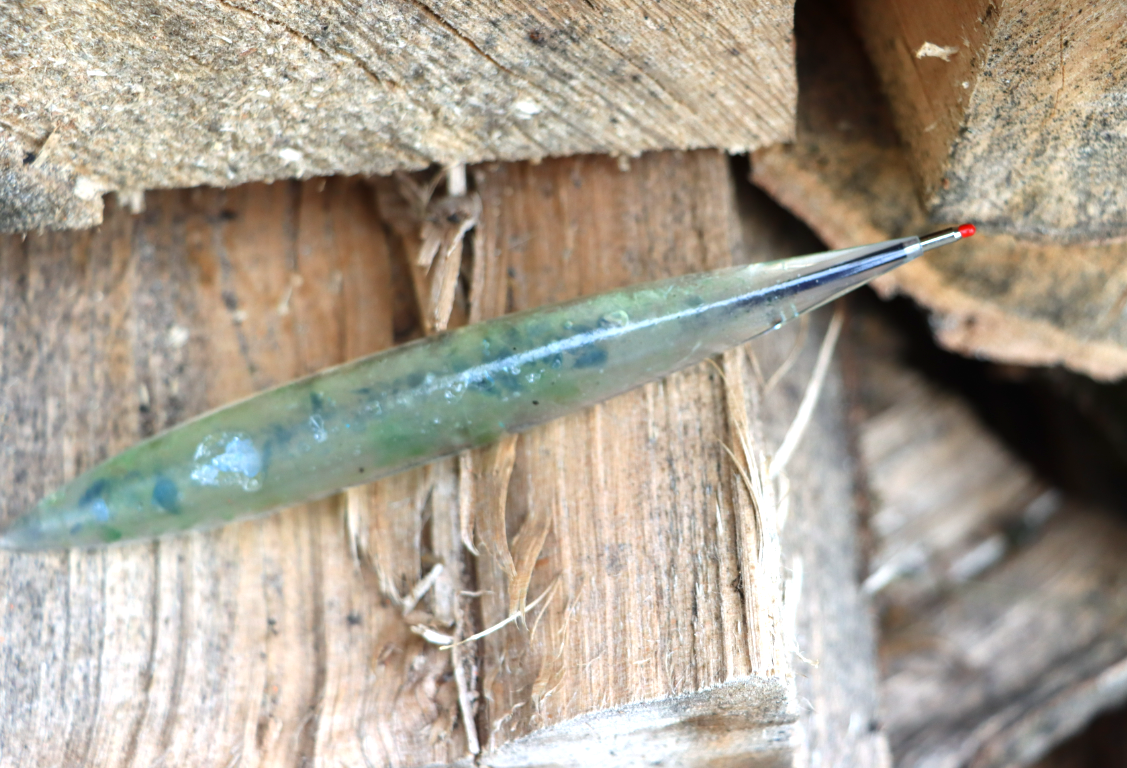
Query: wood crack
x,y
595,144
308,727
329,53
130,755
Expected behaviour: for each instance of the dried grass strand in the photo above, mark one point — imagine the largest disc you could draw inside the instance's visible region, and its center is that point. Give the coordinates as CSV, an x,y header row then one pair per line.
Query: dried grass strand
x,y
507,620
792,356
809,398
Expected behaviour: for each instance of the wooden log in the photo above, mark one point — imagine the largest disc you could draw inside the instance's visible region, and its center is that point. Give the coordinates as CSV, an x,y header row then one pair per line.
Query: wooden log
x,y
152,95
1012,112
668,623
265,642
1023,659
1003,621
948,492
665,636
849,179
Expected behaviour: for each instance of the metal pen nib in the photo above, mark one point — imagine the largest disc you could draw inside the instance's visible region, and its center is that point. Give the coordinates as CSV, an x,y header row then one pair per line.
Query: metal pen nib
x,y
945,236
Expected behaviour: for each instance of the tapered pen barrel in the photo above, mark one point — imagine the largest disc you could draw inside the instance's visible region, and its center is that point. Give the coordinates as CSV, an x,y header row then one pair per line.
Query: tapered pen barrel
x,y
434,397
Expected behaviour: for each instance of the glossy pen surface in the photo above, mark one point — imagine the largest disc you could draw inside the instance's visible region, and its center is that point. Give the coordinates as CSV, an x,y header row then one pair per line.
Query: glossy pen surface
x,y
436,396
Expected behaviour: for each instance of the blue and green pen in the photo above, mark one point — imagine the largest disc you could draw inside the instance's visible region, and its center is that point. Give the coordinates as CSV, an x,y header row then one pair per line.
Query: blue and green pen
x,y
434,397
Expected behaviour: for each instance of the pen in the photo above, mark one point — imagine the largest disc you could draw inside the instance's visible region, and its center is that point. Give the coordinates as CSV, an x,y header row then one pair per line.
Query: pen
x,y
437,396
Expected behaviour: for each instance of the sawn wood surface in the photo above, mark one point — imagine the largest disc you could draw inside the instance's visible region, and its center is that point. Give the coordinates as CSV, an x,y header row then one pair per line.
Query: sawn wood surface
x,y
668,626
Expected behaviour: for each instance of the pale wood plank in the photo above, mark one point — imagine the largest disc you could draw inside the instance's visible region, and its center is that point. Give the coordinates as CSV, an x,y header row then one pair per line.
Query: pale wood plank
x,y
150,94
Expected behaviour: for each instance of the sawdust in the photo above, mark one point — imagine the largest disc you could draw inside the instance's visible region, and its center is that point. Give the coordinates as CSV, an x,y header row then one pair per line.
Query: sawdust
x,y
931,50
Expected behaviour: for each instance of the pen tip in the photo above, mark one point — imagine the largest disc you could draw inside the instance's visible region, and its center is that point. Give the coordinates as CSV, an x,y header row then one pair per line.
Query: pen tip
x,y
966,230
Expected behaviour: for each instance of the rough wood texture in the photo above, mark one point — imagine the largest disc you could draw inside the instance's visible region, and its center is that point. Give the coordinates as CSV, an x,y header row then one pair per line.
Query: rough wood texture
x,y
148,94
949,494
840,715
993,296
1021,659
1004,616
264,643
1014,118
660,590
669,628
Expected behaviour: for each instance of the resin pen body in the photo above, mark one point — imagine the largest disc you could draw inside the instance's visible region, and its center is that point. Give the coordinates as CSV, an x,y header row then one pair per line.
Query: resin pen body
x,y
437,396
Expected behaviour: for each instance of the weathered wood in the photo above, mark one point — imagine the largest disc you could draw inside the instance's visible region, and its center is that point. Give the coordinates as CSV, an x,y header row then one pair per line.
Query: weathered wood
x,y
1024,658
263,642
1004,616
150,94
664,616
836,682
1012,112
948,495
994,296
669,622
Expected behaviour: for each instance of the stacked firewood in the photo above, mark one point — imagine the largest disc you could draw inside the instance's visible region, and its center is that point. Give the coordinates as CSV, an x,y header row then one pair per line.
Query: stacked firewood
x,y
909,556
998,587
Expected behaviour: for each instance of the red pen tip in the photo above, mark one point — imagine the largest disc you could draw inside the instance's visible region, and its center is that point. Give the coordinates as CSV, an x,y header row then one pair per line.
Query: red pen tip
x,y
966,230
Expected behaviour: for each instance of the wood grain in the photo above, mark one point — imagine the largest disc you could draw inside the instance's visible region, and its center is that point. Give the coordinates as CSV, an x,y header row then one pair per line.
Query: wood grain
x,y
664,619
258,643
994,296
1002,602
670,622
1020,659
631,486
949,495
151,94
1020,129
